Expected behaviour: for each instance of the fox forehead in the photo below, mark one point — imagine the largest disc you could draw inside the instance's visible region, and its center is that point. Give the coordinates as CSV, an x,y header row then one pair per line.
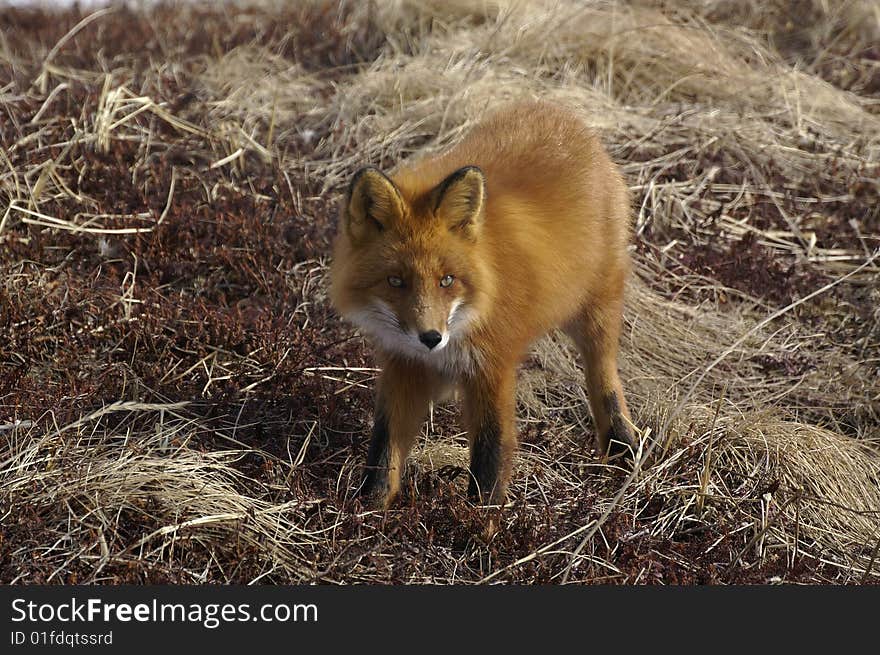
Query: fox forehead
x,y
423,254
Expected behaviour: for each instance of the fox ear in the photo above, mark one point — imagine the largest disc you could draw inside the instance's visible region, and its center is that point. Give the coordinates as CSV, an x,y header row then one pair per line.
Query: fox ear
x,y
460,200
372,205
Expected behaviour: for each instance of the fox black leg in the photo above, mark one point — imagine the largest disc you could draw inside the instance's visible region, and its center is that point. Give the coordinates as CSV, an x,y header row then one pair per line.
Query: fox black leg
x,y
619,437
401,407
486,460
375,483
489,413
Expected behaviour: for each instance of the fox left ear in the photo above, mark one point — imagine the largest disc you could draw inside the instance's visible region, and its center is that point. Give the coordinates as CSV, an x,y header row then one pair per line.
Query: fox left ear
x,y
373,204
459,201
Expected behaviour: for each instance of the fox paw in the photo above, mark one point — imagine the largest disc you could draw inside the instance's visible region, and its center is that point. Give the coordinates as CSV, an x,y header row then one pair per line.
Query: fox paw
x,y
374,493
620,448
620,440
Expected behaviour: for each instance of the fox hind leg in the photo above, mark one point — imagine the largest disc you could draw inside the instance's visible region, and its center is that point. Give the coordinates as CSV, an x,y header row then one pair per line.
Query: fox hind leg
x,y
596,332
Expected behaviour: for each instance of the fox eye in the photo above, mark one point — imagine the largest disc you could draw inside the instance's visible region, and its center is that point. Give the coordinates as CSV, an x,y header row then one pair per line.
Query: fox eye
x,y
446,281
396,282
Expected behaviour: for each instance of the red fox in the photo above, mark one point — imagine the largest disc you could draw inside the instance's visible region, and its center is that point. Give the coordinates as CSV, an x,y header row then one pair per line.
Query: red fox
x,y
456,263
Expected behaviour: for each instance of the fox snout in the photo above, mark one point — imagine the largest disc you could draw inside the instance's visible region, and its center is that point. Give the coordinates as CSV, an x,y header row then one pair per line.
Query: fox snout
x,y
430,338
429,325
432,334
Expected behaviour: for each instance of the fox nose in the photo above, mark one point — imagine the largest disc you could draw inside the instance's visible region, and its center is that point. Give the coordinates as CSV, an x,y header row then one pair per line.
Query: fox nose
x,y
430,338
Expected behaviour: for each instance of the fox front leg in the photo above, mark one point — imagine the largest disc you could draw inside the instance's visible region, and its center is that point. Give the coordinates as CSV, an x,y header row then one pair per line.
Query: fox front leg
x,y
401,408
490,416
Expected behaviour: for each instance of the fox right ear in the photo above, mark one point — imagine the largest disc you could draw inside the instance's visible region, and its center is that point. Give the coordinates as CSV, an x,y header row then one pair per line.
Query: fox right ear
x,y
372,205
460,199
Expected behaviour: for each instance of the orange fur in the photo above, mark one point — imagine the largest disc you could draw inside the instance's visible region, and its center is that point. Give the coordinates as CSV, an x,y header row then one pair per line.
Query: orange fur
x,y
531,219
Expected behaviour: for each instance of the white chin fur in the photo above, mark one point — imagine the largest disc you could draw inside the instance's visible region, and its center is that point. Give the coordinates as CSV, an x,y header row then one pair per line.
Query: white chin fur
x,y
451,355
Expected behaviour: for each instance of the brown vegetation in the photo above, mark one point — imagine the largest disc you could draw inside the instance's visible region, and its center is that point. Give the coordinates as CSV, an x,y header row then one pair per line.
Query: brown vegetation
x,y
179,404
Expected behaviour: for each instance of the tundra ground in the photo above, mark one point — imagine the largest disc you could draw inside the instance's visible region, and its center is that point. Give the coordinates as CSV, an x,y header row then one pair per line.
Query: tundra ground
x,y
178,403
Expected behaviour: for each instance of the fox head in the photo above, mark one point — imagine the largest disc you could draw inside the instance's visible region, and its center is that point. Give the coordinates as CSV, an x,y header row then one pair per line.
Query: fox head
x,y
406,266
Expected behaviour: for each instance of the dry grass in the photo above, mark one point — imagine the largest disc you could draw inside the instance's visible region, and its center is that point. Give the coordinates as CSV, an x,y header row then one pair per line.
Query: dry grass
x,y
178,403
